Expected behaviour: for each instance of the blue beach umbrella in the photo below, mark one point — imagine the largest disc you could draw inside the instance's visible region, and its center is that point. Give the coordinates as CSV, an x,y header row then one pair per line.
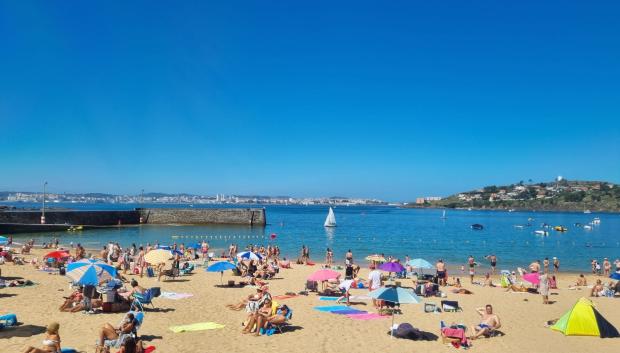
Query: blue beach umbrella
x,y
421,264
3,240
221,267
395,295
615,275
249,255
90,272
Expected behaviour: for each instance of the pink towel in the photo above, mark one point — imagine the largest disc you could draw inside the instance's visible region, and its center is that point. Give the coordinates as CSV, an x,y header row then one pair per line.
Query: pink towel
x,y
369,316
455,333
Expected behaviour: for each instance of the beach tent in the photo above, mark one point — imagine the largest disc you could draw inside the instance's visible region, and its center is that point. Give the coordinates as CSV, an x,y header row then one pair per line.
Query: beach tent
x,y
584,320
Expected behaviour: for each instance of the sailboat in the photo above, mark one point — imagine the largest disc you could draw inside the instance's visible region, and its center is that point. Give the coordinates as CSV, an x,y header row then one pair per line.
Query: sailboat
x,y
330,221
444,215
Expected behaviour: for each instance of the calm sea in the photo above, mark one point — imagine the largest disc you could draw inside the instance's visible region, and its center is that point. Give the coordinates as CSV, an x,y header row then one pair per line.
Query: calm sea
x,y
389,230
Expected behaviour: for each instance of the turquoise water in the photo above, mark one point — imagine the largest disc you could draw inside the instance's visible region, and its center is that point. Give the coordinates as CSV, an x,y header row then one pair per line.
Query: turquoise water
x,y
388,230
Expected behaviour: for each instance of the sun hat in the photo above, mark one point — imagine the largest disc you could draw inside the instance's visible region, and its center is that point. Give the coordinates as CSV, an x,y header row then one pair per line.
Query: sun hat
x,y
53,327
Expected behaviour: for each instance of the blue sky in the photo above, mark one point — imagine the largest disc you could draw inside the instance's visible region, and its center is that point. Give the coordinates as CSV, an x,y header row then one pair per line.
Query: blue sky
x,y
316,98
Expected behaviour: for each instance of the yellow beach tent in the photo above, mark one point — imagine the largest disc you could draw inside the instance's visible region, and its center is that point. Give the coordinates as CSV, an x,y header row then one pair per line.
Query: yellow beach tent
x,y
584,320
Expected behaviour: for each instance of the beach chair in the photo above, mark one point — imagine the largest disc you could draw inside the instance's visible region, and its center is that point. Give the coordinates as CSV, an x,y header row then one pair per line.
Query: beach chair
x,y
187,270
172,273
140,300
450,306
288,317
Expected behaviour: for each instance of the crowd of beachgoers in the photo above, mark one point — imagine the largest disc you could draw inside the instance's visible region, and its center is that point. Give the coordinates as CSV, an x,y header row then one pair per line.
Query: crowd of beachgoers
x,y
266,313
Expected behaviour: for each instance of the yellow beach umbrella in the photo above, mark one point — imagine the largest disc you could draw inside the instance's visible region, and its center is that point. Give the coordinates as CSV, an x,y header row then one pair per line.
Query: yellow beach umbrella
x,y
376,258
157,256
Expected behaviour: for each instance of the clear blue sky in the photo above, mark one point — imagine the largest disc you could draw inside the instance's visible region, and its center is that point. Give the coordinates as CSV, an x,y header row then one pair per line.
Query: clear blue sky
x,y
392,99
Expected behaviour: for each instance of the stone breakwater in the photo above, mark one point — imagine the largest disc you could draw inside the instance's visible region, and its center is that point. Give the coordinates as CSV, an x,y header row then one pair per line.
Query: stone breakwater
x,y
30,221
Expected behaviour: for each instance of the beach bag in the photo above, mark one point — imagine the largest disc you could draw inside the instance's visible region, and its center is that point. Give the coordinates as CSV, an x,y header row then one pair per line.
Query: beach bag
x,y
429,307
136,270
150,272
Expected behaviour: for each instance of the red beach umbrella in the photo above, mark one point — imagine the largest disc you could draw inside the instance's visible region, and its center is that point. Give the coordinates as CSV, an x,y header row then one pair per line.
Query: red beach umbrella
x,y
59,254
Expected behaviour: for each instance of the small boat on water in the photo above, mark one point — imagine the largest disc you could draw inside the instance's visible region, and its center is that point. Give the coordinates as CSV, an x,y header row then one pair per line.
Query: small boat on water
x,y
443,216
541,232
596,220
587,211
477,226
330,221
587,227
519,226
560,229
75,228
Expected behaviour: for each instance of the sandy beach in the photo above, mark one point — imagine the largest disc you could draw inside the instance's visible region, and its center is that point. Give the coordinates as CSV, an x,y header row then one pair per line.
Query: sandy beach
x,y
523,317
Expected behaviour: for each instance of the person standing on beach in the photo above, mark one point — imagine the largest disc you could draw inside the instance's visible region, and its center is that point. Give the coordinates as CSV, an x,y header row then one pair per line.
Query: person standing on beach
x,y
472,263
543,288
546,265
348,258
606,267
535,266
442,274
329,258
556,265
140,262
493,261
374,281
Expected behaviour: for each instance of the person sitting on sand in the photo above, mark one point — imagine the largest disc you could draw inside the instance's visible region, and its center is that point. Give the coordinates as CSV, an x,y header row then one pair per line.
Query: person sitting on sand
x,y
115,335
135,288
489,322
488,281
581,282
458,288
598,290
520,289
51,343
72,301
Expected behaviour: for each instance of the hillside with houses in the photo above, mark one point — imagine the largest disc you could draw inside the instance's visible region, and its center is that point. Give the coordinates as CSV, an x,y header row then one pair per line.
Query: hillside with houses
x,y
561,194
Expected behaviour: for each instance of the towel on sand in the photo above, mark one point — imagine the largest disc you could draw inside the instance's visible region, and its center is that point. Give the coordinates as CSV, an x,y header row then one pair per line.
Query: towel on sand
x,y
368,316
331,308
175,296
349,312
199,326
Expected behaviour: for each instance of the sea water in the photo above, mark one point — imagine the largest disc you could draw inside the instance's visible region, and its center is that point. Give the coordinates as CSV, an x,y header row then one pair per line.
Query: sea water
x,y
399,232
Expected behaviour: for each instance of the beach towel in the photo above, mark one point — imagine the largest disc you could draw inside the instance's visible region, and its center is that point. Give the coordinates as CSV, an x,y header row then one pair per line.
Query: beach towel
x,y
199,326
281,297
367,316
349,312
455,333
175,296
328,298
331,308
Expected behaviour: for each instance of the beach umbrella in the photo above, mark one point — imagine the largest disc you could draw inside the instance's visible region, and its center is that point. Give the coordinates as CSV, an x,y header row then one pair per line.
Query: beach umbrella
x,y
90,272
324,275
391,267
615,275
249,255
421,264
176,252
3,240
157,256
221,267
375,258
395,295
533,278
59,254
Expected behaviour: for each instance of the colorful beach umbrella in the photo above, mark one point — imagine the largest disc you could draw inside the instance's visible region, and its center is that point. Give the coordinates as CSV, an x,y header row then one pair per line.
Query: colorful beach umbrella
x,y
249,255
391,267
221,267
324,275
375,258
3,240
533,278
157,256
395,295
58,254
90,272
615,275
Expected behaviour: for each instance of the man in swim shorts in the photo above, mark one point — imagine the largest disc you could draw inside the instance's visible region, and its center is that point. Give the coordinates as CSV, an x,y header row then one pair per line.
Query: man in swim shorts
x,y
441,272
488,322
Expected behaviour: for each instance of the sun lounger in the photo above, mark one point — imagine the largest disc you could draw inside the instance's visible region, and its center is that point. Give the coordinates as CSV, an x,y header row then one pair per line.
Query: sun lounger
x,y
140,300
450,306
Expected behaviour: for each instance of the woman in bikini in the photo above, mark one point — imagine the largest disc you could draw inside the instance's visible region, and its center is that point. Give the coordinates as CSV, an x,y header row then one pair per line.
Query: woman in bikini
x,y
51,343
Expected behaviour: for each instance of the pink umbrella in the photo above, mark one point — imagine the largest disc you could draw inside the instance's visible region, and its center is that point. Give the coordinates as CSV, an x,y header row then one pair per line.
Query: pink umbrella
x,y
324,275
532,278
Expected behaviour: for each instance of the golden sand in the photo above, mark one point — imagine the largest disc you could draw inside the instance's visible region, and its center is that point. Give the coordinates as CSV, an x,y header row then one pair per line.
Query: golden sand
x,y
523,317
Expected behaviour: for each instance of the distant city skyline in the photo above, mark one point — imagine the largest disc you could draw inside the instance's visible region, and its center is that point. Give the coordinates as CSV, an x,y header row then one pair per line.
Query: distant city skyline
x,y
392,102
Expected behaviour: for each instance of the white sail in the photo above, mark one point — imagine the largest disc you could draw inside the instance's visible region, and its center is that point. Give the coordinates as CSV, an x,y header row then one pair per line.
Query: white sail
x,y
444,215
330,221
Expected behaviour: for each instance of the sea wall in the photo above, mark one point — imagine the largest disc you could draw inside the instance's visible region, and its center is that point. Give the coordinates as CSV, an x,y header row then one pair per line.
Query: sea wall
x,y
249,216
99,218
29,221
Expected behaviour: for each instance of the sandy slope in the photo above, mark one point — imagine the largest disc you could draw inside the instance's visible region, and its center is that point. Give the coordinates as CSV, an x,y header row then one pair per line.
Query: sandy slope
x,y
523,316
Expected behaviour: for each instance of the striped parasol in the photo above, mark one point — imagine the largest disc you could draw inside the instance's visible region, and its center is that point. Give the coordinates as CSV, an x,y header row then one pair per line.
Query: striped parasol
x,y
90,272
